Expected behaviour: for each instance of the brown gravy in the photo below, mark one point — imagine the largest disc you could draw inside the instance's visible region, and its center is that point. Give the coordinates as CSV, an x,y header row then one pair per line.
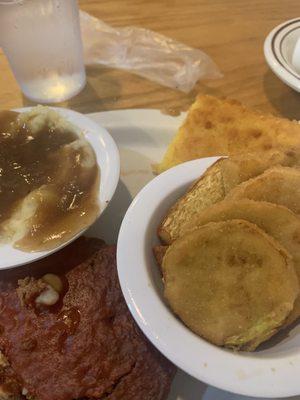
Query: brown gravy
x,y
48,170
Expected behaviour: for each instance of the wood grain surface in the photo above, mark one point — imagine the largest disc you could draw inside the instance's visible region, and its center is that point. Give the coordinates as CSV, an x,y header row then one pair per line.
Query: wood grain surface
x,y
232,32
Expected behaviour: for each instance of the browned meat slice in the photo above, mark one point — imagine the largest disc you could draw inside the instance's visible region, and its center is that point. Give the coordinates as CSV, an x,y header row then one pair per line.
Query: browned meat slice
x,y
87,345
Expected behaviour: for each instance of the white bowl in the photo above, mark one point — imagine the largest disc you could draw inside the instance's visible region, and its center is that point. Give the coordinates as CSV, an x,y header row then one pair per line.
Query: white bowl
x,y
272,372
109,162
282,52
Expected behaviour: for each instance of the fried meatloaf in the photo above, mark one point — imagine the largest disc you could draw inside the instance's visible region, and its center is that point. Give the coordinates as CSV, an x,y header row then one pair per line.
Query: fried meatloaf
x,y
86,345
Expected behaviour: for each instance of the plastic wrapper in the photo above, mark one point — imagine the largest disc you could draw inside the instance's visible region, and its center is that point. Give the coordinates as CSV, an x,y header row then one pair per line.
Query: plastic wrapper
x,y
145,53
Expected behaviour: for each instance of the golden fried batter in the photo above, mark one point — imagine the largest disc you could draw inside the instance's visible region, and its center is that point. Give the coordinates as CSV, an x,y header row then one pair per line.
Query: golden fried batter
x,y
214,185
279,185
277,221
230,283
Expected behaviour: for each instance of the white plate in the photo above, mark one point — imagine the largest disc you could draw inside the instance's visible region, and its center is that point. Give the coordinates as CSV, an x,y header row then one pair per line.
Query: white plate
x,y
271,372
108,159
142,137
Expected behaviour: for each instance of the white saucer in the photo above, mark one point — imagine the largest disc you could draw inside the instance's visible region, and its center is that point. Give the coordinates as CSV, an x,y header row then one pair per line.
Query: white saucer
x,y
109,162
282,52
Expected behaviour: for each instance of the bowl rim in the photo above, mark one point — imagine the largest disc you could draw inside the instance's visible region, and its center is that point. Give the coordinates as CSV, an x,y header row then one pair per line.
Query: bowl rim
x,y
242,373
273,58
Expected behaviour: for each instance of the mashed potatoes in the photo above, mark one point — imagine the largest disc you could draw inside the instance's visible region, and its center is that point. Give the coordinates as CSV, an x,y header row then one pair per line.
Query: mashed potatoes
x,y
49,180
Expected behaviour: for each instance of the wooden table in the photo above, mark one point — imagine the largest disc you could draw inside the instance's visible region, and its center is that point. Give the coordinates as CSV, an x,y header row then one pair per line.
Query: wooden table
x,y
232,32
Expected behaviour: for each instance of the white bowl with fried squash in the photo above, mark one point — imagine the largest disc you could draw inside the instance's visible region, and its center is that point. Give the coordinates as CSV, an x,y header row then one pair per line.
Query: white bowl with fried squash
x,y
199,339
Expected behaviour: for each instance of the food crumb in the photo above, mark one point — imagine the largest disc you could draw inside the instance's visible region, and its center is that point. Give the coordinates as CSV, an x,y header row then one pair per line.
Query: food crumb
x,y
3,361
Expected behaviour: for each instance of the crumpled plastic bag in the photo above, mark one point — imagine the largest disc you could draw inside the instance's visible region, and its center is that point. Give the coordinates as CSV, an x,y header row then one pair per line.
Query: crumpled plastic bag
x,y
145,53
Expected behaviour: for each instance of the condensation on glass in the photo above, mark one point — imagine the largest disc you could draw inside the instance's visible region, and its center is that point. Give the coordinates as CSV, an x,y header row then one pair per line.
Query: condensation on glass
x,y
42,41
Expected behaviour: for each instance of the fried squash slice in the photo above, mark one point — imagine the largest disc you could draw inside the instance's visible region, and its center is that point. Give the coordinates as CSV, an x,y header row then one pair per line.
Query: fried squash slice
x,y
230,283
214,185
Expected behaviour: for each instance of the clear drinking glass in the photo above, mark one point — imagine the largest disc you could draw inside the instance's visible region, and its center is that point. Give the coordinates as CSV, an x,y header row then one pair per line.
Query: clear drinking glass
x,y
42,41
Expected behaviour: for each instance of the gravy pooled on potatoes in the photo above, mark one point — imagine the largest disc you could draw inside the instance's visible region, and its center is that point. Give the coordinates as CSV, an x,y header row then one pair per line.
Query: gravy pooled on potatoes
x,y
49,180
